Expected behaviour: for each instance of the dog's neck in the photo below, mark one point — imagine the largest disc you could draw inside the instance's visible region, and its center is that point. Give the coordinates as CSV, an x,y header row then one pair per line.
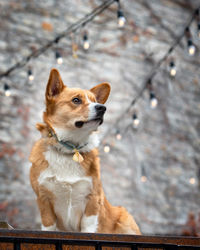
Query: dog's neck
x,y
68,141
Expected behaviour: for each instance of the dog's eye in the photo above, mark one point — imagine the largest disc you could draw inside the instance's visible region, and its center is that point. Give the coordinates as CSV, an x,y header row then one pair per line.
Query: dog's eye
x,y
77,101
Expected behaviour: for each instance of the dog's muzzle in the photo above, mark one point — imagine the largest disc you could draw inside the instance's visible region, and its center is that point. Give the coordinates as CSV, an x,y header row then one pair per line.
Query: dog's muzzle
x,y
100,111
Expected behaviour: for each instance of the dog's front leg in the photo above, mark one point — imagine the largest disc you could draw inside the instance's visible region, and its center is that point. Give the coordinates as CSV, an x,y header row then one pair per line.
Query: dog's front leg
x,y
48,217
89,221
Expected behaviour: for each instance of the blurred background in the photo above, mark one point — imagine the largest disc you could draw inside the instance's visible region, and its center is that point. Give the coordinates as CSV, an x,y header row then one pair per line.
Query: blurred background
x,y
150,161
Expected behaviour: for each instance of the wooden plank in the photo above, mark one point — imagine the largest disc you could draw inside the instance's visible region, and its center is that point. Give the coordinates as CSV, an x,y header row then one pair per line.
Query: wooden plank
x,y
151,248
6,246
116,248
67,247
28,246
182,241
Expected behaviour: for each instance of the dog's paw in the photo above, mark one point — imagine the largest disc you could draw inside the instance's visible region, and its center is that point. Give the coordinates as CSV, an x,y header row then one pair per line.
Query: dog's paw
x,y
50,228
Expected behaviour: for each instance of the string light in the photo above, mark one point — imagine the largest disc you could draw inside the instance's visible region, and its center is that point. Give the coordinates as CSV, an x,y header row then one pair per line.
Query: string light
x,y
121,22
86,43
191,47
143,177
57,53
58,57
7,90
153,100
30,75
192,180
152,96
118,135
172,69
136,121
120,16
106,148
121,19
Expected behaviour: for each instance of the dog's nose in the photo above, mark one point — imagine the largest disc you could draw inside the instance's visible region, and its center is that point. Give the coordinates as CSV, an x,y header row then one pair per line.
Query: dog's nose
x,y
100,108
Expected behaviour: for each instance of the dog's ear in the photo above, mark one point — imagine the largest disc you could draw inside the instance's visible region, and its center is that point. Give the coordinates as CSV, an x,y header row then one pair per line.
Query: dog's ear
x,y
55,84
101,92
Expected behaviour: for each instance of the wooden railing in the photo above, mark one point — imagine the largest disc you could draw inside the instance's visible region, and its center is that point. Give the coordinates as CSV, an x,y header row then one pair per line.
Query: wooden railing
x,y
40,240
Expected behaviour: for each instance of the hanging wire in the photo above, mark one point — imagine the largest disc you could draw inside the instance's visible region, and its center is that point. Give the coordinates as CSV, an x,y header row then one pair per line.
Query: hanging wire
x,y
72,28
81,23
151,75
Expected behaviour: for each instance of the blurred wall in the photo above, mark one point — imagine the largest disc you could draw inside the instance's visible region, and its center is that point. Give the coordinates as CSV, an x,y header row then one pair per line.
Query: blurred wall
x,y
166,145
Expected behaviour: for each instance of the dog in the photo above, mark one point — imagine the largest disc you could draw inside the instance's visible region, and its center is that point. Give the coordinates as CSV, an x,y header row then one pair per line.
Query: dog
x,y
65,172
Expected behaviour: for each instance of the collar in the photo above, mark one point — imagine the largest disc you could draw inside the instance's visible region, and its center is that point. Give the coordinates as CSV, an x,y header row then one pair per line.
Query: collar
x,y
67,144
70,146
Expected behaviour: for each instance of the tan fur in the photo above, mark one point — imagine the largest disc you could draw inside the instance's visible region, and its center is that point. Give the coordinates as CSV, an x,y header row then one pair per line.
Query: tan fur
x,y
60,110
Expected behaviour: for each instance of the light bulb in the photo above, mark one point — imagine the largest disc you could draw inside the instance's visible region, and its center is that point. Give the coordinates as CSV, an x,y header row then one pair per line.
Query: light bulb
x,y
121,19
192,180
191,48
60,60
7,90
118,135
59,57
30,75
106,148
143,178
172,69
153,100
136,121
86,43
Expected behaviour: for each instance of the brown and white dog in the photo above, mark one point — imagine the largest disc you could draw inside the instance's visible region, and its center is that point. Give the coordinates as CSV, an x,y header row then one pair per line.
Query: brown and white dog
x,y
65,172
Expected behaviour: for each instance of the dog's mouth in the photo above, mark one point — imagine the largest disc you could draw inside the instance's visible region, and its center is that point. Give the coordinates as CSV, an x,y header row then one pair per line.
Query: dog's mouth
x,y
79,124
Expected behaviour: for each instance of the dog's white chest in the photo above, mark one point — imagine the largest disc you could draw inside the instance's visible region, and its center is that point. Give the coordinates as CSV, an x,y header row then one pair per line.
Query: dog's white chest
x,y
70,186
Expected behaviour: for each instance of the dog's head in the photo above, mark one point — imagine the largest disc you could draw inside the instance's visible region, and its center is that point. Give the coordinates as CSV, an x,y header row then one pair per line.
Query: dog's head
x,y
73,110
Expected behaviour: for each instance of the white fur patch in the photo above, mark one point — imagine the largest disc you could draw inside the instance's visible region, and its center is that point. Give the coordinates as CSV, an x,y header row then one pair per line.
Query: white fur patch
x,y
93,142
66,179
50,228
92,110
89,224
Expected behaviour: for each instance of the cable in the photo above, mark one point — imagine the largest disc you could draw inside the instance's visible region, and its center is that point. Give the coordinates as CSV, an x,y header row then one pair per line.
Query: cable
x,y
151,75
81,23
72,28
